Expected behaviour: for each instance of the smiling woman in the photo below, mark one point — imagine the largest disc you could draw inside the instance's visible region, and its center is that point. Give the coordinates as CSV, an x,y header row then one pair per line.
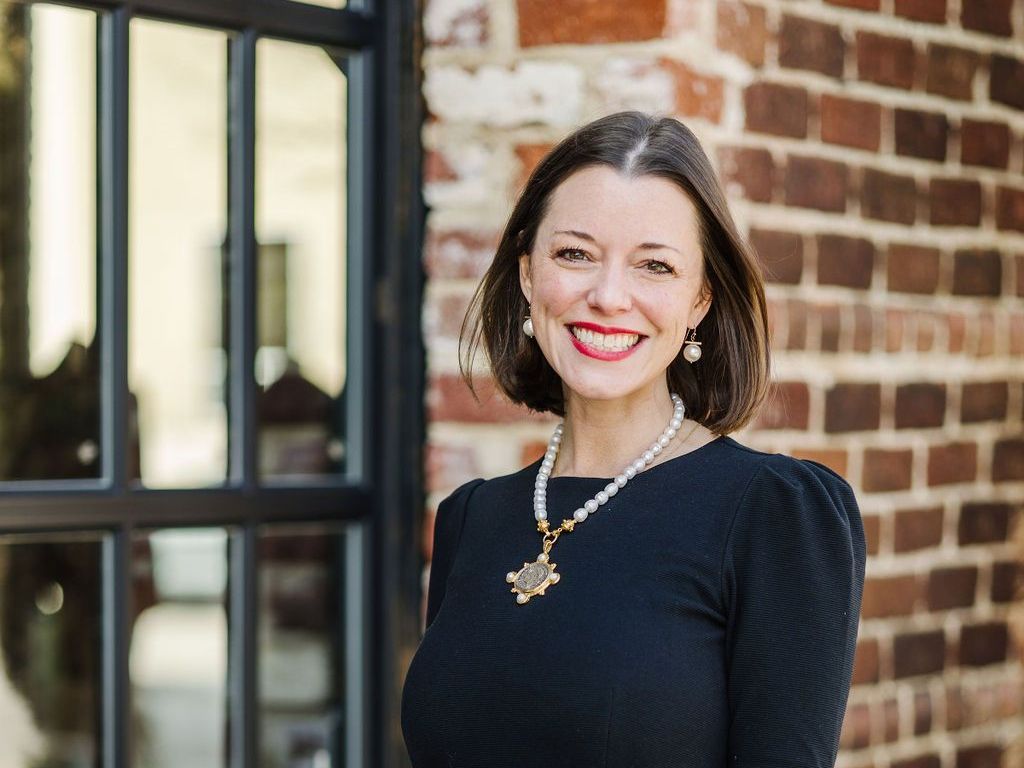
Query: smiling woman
x,y
708,615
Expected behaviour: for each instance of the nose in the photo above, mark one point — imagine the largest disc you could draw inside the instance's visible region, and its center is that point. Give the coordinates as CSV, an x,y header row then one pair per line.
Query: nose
x,y
610,292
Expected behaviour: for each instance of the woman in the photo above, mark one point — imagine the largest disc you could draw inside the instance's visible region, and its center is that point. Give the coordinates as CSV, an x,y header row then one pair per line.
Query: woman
x,y
651,592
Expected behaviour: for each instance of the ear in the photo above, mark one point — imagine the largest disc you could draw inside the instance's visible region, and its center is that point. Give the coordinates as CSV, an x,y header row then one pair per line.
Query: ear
x,y
702,306
524,276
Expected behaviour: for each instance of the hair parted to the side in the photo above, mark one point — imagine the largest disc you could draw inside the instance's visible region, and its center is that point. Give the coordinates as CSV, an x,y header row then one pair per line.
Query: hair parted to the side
x,y
726,387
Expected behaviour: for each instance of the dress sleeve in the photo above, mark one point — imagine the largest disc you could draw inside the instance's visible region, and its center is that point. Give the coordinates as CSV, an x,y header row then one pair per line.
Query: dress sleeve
x,y
793,576
451,513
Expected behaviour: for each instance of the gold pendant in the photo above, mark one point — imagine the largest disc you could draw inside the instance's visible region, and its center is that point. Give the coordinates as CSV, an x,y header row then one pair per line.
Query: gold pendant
x,y
533,578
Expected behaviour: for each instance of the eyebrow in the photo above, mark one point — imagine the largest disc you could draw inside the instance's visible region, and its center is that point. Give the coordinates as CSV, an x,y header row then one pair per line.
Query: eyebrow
x,y
588,238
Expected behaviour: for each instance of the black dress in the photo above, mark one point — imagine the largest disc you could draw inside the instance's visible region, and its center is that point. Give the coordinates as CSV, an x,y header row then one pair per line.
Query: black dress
x,y
705,617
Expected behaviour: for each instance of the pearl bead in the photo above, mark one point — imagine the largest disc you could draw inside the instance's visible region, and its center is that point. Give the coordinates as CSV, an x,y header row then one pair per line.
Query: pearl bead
x,y
540,514
510,576
656,449
664,440
621,480
648,456
611,489
629,472
580,515
602,497
675,423
691,352
521,598
590,506
639,465
670,433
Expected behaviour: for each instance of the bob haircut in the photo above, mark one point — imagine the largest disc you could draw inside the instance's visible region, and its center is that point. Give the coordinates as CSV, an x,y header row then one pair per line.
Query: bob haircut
x,y
725,388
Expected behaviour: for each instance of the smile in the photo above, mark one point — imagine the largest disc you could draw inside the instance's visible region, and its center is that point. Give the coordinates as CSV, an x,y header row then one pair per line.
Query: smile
x,y
604,346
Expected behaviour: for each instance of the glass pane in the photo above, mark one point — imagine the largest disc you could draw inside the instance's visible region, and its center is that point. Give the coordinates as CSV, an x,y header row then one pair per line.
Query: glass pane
x,y
177,224
50,609
49,376
324,3
300,666
300,227
178,659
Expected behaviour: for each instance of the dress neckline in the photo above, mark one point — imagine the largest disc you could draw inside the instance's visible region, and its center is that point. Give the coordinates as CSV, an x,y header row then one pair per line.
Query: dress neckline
x,y
655,468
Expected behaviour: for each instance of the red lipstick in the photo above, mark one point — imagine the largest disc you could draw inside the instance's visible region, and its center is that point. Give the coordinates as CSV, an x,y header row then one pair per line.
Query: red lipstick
x,y
598,353
604,328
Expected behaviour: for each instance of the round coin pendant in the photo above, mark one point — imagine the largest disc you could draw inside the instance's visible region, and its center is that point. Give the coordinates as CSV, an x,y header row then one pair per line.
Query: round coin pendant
x,y
532,579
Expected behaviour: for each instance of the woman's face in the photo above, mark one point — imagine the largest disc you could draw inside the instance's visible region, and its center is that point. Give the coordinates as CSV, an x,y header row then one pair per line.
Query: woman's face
x,y
614,280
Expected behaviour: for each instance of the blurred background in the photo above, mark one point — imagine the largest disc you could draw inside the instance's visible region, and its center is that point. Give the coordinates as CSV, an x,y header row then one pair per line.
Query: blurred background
x,y
237,240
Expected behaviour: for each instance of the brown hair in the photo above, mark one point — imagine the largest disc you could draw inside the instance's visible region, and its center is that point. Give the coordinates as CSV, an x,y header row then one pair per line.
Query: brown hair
x,y
724,389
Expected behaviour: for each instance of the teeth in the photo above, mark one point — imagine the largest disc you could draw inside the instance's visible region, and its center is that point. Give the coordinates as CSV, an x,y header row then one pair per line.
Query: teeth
x,y
614,342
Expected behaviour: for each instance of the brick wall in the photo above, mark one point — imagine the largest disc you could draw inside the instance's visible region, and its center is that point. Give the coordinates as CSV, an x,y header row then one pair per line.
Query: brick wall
x,y
873,153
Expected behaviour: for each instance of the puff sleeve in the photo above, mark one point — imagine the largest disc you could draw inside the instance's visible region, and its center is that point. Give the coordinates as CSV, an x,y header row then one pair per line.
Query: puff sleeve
x,y
448,522
792,581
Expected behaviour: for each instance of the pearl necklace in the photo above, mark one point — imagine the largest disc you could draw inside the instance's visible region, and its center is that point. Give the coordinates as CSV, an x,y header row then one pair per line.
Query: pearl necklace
x,y
533,578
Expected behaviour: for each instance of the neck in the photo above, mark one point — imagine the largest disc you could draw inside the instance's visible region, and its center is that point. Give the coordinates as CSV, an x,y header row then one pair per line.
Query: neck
x,y
603,436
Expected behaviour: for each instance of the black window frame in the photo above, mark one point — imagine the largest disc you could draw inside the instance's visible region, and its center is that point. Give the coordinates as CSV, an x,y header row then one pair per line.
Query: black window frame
x,y
385,355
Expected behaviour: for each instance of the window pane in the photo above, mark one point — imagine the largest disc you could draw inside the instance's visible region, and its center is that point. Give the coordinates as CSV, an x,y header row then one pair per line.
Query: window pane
x,y
177,225
178,658
49,379
50,609
324,3
300,227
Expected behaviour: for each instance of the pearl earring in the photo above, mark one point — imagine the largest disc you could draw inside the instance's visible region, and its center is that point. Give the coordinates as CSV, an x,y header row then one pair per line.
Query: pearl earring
x,y
528,326
692,349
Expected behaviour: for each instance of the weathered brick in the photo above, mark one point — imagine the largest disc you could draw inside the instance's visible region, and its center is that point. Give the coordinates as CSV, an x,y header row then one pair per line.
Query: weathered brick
x,y
1006,581
915,529
885,60
456,23
890,716
887,470
920,405
529,156
991,17
584,21
813,182
954,202
856,730
833,458
952,588
786,407
984,143
977,273
861,5
865,662
459,253
983,522
921,134
697,94
777,109
642,83
920,761
872,533
923,717
984,401
983,644
846,261
747,172
781,254
980,756
888,197
912,268
1006,81
918,653
886,596
811,45
1010,208
742,30
850,122
951,71
853,406
830,324
1019,261
1008,459
796,324
863,327
448,399
952,463
928,11
448,466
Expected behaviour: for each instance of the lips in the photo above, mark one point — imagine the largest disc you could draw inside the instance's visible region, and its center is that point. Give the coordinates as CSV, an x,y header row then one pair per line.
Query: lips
x,y
604,342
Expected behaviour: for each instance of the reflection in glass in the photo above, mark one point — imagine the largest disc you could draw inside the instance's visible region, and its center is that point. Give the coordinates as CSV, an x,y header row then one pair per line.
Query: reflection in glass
x,y
50,600
177,210
178,659
49,380
300,227
301,671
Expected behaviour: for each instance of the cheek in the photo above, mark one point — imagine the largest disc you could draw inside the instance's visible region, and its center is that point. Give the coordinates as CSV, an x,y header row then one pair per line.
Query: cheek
x,y
554,294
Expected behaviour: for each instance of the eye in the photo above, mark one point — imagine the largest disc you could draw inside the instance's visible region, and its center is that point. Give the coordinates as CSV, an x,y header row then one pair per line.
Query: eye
x,y
569,254
660,268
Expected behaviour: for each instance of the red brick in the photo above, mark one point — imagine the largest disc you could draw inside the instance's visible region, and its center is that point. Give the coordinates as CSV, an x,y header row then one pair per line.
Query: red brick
x,y
697,95
865,662
886,596
885,60
952,463
862,5
796,324
459,253
833,458
850,122
920,761
890,713
1019,261
928,11
856,730
586,21
448,466
980,756
951,71
921,134
747,171
956,330
918,653
1006,81
1006,581
920,405
777,109
1010,209
443,316
1008,459
952,588
896,322
466,28
954,202
812,182
830,325
811,45
886,470
846,261
853,406
923,717
888,197
977,273
872,533
989,16
863,327
742,31
984,143
915,529
912,269
781,254
983,522
786,407
983,644
984,401
448,399
529,156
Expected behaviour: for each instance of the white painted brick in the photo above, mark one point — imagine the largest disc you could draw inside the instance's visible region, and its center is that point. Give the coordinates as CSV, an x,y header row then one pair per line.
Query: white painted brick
x,y
629,83
476,177
460,23
548,93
